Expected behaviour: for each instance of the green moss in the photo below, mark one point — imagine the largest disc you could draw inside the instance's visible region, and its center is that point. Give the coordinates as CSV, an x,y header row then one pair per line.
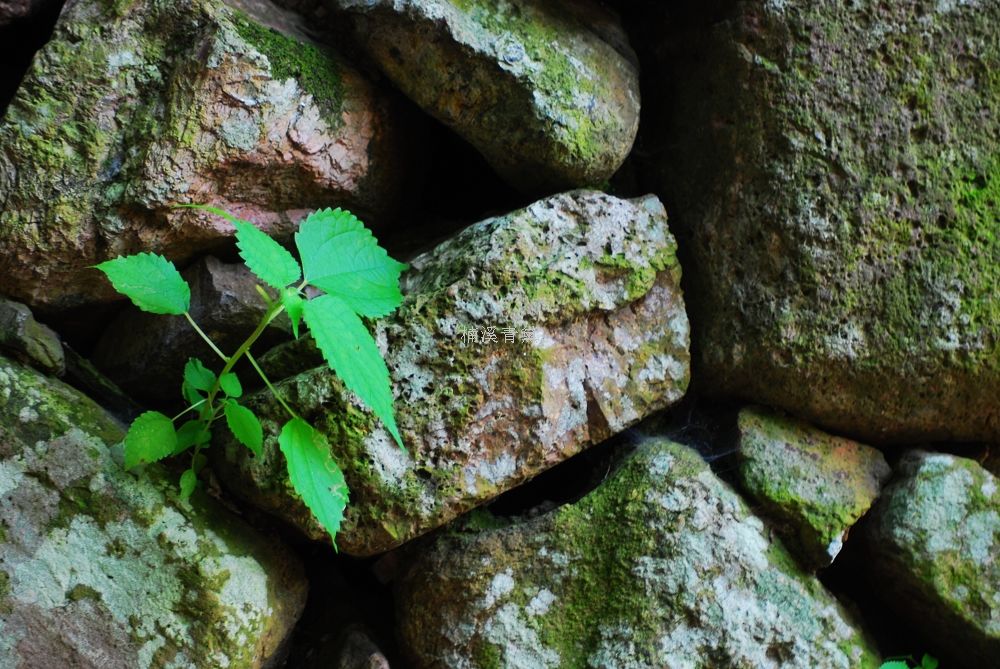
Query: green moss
x,y
314,68
81,591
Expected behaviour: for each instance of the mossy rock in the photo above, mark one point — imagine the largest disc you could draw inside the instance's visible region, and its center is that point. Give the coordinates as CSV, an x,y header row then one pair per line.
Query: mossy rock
x,y
662,565
582,349
813,485
133,108
833,170
934,545
99,566
533,85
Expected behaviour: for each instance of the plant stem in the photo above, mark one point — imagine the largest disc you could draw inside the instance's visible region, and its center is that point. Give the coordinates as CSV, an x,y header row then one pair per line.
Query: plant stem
x,y
204,336
267,382
190,408
244,348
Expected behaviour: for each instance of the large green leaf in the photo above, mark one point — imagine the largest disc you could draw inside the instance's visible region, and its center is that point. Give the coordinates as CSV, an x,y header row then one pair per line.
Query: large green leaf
x,y
244,425
352,353
314,474
150,438
150,281
341,257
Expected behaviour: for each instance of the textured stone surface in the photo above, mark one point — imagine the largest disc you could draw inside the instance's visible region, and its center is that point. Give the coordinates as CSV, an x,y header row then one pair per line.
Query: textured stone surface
x,y
592,278
661,566
27,339
134,107
833,170
99,568
935,553
145,353
532,85
815,485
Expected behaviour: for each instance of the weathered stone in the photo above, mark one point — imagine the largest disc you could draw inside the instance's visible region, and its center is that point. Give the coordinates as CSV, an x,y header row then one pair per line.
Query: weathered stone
x,y
662,565
833,171
27,339
814,485
145,353
590,288
530,84
133,108
934,543
101,568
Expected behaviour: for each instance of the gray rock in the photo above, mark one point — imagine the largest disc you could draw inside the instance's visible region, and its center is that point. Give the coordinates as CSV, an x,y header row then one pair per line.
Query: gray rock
x,y
532,85
28,340
582,292
145,353
814,485
99,567
133,108
662,565
934,542
832,169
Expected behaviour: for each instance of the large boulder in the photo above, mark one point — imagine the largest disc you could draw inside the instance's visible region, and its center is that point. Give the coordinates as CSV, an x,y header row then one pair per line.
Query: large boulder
x,y
520,341
934,546
835,173
547,91
99,567
661,566
133,108
813,485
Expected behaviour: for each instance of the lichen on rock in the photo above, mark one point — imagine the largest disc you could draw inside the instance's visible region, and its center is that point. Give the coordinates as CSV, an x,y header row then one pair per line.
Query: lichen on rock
x,y
99,567
548,102
815,486
662,565
934,543
130,110
591,348
834,170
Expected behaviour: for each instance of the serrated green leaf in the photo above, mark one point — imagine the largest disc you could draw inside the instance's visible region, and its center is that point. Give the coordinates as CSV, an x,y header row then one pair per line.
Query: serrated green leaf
x,y
244,425
150,281
192,433
230,384
189,481
198,376
352,353
150,438
269,260
313,473
341,257
293,304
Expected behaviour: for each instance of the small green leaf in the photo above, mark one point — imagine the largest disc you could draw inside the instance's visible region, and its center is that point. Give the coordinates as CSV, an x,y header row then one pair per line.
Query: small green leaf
x,y
928,662
190,394
269,260
341,257
230,384
198,376
192,433
895,664
189,480
150,281
293,304
352,353
244,425
150,438
314,474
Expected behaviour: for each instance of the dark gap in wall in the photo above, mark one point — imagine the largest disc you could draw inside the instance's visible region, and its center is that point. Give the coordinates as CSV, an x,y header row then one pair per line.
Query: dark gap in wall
x,y
18,43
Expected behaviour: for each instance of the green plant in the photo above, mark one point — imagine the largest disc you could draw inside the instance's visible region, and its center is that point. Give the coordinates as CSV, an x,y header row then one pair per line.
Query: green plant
x,y
340,257
907,662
